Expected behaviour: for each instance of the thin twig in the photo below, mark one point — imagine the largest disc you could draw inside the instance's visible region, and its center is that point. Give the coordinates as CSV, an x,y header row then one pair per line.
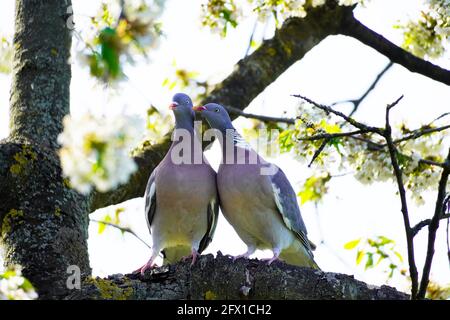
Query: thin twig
x,y
365,128
247,51
404,207
318,151
425,223
350,120
421,132
259,117
330,135
448,238
123,229
432,228
440,117
326,137
357,102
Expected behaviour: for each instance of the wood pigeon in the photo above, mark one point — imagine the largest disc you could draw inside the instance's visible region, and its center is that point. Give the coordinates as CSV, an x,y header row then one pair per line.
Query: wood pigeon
x,y
181,202
256,197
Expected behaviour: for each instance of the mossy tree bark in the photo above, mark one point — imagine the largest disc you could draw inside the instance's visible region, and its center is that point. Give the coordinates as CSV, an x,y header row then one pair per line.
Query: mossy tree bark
x,y
221,278
43,222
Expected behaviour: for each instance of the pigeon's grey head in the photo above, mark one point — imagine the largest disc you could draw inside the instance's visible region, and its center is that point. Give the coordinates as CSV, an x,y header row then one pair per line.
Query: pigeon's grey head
x,y
216,115
182,107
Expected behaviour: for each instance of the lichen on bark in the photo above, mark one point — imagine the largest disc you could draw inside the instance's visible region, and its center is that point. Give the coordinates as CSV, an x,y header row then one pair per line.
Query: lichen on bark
x,y
43,222
222,278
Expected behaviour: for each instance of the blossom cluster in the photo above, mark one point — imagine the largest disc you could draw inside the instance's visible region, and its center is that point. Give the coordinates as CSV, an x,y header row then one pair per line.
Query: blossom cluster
x,y
369,161
6,54
158,125
120,33
13,286
428,36
219,14
95,150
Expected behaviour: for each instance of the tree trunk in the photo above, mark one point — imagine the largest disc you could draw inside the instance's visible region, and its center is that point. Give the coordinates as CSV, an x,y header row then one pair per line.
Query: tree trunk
x,y
43,222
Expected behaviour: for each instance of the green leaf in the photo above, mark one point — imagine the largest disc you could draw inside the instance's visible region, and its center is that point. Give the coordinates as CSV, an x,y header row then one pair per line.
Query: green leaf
x,y
117,215
399,256
369,262
359,256
381,258
285,140
26,285
352,244
384,240
102,226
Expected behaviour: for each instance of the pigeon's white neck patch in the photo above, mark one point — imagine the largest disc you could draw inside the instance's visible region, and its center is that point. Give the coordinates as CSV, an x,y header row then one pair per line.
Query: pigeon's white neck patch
x,y
240,142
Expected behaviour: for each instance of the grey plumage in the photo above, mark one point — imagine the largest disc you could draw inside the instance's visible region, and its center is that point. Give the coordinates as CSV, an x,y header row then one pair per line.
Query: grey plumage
x,y
260,204
181,202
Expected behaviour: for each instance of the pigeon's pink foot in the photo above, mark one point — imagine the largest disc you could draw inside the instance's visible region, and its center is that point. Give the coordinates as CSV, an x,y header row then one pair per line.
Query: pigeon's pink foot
x,y
194,254
276,254
247,254
145,267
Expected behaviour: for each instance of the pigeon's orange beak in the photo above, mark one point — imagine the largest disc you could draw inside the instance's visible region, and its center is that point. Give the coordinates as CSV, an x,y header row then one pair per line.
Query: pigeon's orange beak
x,y
173,106
199,108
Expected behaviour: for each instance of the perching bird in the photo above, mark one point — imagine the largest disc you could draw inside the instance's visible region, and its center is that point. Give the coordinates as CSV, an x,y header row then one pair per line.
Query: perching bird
x,y
256,197
181,203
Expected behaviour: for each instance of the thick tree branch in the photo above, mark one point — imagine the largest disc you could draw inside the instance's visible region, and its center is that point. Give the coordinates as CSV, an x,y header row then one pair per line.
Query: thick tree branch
x,y
353,28
250,77
147,157
220,278
432,228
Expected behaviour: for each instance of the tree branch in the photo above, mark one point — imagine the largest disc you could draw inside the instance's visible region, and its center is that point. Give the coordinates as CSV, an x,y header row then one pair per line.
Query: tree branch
x,y
123,229
331,135
353,28
348,119
221,278
432,228
357,102
404,209
386,133
421,132
415,230
263,118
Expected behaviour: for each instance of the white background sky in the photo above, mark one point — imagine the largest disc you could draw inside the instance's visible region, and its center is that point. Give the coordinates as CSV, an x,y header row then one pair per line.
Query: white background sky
x,y
339,68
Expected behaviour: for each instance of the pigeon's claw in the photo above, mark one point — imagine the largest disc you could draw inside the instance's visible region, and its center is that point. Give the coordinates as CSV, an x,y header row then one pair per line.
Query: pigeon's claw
x,y
149,265
247,254
194,254
276,257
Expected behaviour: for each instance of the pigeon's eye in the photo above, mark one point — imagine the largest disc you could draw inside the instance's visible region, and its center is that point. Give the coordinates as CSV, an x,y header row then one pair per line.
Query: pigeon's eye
x,y
217,110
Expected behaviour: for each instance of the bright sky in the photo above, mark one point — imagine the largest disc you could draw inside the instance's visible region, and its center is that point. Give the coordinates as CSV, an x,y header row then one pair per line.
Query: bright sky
x,y
337,69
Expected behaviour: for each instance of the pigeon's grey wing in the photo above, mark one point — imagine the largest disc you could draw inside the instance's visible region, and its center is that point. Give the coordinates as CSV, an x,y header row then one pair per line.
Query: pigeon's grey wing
x,y
150,199
213,214
286,202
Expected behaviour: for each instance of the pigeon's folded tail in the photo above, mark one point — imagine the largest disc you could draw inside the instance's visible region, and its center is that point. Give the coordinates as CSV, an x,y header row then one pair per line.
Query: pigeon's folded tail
x,y
175,254
297,255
